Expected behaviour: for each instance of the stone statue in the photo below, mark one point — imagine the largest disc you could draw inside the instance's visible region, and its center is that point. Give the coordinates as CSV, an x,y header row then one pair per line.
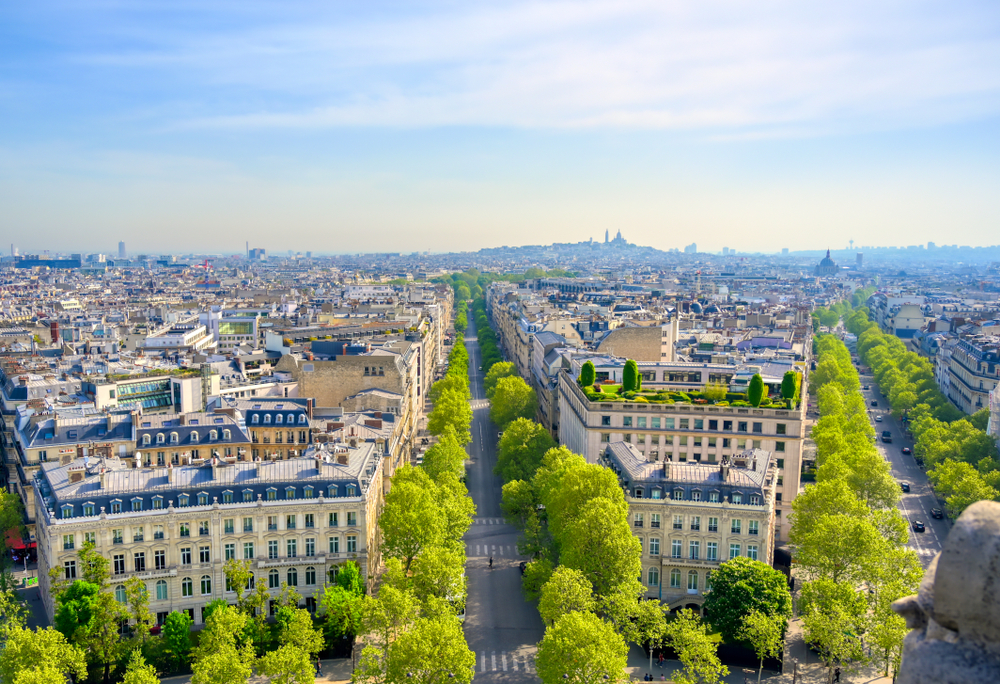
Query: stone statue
x,y
955,617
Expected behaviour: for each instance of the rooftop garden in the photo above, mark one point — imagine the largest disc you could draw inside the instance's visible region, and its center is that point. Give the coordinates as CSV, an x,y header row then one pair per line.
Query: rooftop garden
x,y
630,390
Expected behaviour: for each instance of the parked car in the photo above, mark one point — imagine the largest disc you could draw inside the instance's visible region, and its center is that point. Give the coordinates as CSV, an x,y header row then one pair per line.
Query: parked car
x,y
907,451
905,486
918,526
937,513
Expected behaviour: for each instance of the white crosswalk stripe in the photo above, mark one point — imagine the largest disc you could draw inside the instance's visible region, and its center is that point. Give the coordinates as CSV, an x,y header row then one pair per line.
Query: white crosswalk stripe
x,y
483,550
487,521
518,662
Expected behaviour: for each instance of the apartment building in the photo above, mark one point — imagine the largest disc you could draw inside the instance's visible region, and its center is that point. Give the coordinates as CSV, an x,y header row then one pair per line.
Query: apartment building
x,y
691,517
190,438
279,428
681,433
175,527
973,372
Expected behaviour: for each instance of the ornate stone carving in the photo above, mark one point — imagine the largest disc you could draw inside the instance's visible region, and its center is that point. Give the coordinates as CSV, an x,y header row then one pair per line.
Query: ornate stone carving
x,y
955,616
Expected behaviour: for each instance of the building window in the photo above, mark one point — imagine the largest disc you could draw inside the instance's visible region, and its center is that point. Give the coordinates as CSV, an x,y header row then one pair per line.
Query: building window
x,y
653,577
228,526
159,560
675,579
334,544
308,492
272,494
606,421
88,509
737,498
272,549
116,507
139,560
310,521
248,551
120,594
183,499
187,587
69,569
203,499
694,548
230,551
310,547
90,538
157,503
119,564
332,492
248,495
735,526
654,546
186,555
675,548
273,580
751,552
204,554
206,585
293,577
637,520
161,590
713,497
780,429
272,522
779,446
203,528
654,520
758,428
248,524
291,547
352,543
678,522
678,494
351,490
712,551
742,426
692,580
605,437
310,576
753,527
289,492
69,542
184,529
695,523
734,551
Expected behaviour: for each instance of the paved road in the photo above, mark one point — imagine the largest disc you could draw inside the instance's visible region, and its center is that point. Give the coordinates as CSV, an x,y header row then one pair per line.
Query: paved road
x,y
501,627
917,504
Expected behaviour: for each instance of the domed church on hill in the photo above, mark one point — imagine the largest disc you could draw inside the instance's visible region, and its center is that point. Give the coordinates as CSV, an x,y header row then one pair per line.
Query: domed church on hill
x,y
827,267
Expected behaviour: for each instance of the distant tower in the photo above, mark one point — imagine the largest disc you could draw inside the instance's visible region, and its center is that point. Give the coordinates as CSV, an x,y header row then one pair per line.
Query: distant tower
x,y
607,236
852,243
121,251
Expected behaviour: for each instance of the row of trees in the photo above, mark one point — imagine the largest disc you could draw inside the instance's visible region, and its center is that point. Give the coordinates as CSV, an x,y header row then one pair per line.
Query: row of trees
x,y
489,349
849,538
411,629
961,456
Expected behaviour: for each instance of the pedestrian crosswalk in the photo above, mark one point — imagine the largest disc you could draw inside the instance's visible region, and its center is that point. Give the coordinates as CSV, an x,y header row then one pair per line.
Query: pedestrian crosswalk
x,y
487,521
483,550
491,661
479,404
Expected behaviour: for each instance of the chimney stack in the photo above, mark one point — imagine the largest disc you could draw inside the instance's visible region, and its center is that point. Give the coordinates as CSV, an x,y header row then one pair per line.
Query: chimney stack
x,y
309,407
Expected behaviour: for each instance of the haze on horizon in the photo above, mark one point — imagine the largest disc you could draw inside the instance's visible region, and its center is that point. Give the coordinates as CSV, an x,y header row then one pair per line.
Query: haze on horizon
x,y
448,126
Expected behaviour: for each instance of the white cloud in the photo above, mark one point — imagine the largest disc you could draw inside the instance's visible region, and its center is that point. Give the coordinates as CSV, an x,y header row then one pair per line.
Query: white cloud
x,y
724,67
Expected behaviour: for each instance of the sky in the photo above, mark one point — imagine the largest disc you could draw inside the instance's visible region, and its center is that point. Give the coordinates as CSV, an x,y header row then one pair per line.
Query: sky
x,y
449,126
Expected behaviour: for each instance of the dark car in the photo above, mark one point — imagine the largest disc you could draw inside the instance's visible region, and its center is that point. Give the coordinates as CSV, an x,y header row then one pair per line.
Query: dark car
x,y
937,513
874,403
907,451
905,486
866,387
918,526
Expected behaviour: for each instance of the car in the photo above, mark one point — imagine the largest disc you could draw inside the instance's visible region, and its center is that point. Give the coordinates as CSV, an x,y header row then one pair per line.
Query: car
x,y
480,368
918,526
874,403
866,387
878,419
907,451
905,486
937,513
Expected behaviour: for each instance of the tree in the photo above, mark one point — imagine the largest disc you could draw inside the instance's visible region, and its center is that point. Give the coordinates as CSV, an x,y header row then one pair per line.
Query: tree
x,y
688,636
789,385
36,656
522,446
177,635
512,399
434,651
447,455
581,648
601,545
587,374
440,573
833,616
451,410
756,391
764,633
349,577
341,612
137,599
138,672
741,586
410,520
295,628
223,655
287,665
567,590
630,376
504,369
536,574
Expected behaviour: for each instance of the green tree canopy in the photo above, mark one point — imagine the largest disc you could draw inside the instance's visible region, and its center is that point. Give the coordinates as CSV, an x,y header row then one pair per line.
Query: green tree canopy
x,y
584,648
30,656
756,391
587,374
446,456
512,399
504,369
741,586
411,519
630,376
522,447
566,591
688,636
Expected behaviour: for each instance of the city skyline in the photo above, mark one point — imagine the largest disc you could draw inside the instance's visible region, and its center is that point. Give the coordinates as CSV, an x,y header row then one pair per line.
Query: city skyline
x,y
441,127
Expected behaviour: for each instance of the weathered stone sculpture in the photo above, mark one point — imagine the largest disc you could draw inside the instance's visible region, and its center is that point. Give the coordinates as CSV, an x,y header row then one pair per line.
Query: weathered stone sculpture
x,y
955,617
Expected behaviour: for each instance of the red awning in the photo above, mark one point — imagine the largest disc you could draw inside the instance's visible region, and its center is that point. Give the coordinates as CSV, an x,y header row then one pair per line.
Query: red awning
x,y
14,540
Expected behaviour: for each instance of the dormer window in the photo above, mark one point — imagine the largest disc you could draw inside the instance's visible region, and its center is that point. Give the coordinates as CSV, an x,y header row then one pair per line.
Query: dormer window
x,y
655,494
160,439
213,435
278,418
136,504
146,440
289,492
638,492
302,419
678,494
267,419
227,496
157,503
737,498
696,495
67,511
755,500
183,500
308,492
248,495
174,438
88,508
272,494
203,498
116,505
194,436
227,435
351,489
255,419
332,491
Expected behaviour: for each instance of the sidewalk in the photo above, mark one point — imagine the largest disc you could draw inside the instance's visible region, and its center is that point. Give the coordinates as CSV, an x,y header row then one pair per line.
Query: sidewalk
x,y
333,671
638,666
811,670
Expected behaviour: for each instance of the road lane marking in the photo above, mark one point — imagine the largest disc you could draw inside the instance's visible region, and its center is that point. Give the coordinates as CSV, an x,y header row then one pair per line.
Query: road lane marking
x,y
483,662
493,660
503,660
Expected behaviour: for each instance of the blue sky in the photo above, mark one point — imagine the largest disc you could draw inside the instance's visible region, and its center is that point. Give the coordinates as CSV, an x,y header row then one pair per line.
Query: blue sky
x,y
375,126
